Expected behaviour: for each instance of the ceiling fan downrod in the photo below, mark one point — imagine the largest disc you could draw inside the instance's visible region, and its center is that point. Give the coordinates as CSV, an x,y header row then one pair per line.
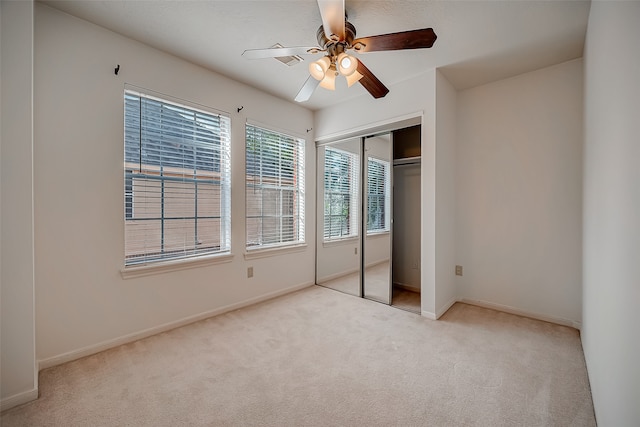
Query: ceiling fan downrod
x,y
347,41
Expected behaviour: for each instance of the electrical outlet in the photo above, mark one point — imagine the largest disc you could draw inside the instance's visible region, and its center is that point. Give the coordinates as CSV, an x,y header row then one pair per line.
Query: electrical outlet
x,y
414,265
249,272
458,270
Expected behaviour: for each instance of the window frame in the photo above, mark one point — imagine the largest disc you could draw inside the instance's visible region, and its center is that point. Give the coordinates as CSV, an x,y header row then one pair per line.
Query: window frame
x,y
258,182
383,197
352,218
198,136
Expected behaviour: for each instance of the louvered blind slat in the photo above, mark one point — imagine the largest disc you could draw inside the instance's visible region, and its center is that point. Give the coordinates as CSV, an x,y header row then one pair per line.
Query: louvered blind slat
x,y
341,171
378,195
177,181
274,188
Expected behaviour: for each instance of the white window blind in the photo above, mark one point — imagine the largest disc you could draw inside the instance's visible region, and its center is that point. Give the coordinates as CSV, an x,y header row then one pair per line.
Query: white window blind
x,y
378,195
177,181
274,188
341,171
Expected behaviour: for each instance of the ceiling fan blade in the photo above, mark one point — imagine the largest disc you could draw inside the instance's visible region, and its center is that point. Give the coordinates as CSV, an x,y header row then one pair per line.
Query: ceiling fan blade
x,y
371,83
414,39
307,89
332,12
277,52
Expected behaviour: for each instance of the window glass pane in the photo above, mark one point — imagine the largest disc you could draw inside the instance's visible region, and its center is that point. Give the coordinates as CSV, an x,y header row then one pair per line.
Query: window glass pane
x,y
177,180
274,188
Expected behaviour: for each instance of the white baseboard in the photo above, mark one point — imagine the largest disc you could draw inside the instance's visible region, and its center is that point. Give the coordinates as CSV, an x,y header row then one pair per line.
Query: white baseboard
x,y
378,262
429,315
504,308
406,287
445,307
105,345
334,276
340,274
18,399
577,325
524,313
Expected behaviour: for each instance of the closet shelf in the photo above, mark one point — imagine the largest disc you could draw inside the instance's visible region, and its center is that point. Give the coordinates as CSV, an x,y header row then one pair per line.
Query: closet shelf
x,y
407,161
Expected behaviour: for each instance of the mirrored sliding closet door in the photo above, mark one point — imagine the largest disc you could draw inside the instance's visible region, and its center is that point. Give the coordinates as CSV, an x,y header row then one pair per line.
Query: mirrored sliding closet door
x,y
353,253
338,237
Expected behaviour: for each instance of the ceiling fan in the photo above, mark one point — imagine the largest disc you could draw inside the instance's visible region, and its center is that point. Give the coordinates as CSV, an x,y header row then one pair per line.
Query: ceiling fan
x,y
336,36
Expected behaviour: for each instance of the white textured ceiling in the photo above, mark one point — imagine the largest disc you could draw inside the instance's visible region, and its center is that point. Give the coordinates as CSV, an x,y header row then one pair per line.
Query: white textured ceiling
x,y
478,41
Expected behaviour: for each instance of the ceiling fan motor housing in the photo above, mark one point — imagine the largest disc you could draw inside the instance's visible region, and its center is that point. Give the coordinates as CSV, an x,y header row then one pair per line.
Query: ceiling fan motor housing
x,y
346,41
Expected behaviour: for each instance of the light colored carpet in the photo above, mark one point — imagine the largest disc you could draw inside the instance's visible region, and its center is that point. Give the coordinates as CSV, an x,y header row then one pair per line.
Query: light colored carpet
x,y
320,357
377,280
349,284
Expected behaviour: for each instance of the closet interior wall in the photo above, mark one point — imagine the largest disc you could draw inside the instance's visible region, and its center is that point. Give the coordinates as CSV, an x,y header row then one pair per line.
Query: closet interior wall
x,y
406,216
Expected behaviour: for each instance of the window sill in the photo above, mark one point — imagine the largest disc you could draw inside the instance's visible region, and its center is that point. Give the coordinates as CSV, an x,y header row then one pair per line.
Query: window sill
x,y
273,251
174,265
375,234
341,242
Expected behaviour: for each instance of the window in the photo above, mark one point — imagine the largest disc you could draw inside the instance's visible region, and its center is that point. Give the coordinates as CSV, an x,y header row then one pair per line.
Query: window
x,y
177,181
274,188
128,194
341,170
378,201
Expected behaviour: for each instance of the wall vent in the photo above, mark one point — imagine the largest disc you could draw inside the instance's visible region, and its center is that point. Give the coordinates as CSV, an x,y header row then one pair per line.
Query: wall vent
x,y
287,60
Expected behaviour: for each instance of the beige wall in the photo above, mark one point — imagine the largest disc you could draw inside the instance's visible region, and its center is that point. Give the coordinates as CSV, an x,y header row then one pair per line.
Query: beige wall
x,y
518,193
83,304
406,223
18,370
446,167
610,335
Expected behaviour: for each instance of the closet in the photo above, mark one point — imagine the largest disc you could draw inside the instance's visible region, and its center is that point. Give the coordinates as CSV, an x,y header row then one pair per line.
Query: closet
x,y
406,218
358,214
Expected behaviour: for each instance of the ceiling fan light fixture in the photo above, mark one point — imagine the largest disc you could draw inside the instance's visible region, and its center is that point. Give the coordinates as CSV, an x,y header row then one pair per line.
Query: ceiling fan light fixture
x,y
353,78
318,69
347,64
329,81
336,36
